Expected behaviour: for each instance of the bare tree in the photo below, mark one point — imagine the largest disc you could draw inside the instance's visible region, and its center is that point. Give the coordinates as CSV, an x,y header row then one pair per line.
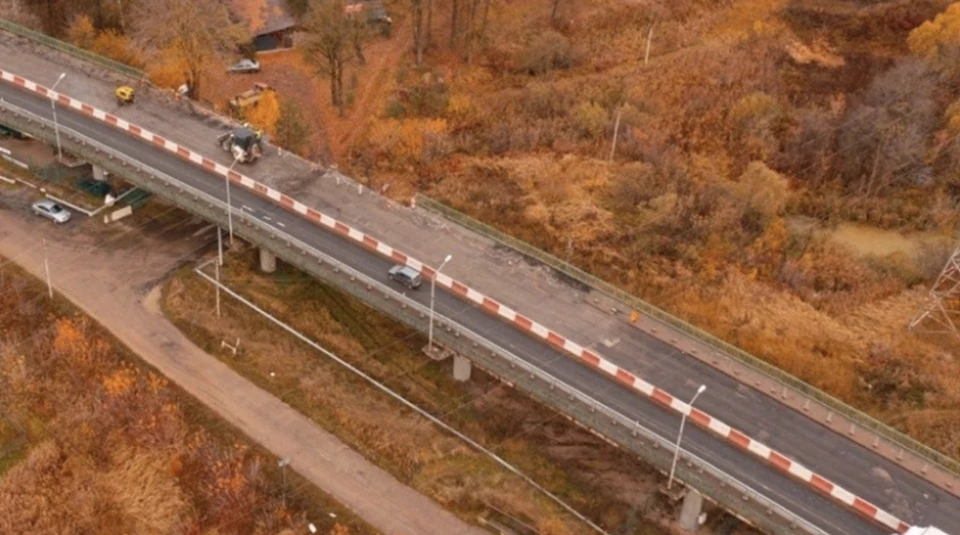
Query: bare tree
x,y
418,37
454,21
429,22
193,33
359,28
471,30
328,47
885,138
553,11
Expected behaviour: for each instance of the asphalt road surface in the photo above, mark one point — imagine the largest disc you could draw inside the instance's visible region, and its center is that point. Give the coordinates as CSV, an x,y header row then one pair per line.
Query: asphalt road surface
x,y
856,468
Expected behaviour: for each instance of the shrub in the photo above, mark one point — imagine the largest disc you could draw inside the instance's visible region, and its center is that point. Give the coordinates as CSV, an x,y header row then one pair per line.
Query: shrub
x,y
549,51
591,120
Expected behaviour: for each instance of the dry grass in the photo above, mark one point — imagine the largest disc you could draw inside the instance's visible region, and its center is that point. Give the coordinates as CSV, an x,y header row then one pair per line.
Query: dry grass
x,y
596,478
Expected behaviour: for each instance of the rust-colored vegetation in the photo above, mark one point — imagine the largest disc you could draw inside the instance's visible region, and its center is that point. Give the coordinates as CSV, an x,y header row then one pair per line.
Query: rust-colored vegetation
x,y
101,444
752,131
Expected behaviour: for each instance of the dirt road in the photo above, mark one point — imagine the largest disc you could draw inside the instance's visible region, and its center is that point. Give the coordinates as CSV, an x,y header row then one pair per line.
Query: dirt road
x,y
110,276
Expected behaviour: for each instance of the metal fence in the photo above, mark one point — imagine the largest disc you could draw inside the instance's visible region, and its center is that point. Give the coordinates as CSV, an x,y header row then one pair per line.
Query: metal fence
x,y
724,488
755,363
78,52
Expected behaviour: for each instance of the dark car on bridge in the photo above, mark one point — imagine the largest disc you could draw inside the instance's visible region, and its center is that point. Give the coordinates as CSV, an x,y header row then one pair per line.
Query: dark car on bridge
x,y
406,276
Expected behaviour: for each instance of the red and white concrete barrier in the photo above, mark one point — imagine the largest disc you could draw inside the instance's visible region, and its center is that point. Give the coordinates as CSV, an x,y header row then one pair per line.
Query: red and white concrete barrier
x,y
521,322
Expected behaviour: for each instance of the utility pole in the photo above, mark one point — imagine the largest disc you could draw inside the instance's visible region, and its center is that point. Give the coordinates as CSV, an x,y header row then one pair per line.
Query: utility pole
x,y
283,468
46,269
226,178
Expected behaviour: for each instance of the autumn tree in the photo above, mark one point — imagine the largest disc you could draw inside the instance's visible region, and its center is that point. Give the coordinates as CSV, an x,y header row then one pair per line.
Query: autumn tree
x,y
938,41
110,43
753,123
330,39
293,130
762,194
265,114
191,34
57,15
807,147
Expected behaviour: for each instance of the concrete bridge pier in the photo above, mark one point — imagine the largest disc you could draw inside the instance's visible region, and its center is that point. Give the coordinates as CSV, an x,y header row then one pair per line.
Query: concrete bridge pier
x,y
99,173
690,511
268,261
461,368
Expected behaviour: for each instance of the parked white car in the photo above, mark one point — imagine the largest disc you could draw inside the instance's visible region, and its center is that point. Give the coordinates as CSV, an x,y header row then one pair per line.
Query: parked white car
x,y
51,210
245,66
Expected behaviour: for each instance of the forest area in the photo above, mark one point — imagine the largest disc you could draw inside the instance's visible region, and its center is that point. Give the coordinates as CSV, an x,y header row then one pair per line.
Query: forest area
x,y
93,441
699,154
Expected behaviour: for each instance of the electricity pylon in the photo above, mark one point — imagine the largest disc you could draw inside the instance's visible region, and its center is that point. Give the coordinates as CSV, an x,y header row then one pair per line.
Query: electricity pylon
x,y
942,306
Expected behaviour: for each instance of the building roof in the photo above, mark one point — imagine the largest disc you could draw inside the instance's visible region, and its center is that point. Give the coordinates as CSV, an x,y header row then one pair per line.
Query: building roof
x,y
263,16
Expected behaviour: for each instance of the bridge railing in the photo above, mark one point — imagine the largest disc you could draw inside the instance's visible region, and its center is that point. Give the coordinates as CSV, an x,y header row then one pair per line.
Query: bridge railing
x,y
756,364
722,486
76,51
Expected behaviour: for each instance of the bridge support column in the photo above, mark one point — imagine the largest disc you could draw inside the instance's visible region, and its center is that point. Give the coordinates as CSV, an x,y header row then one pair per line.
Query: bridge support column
x,y
268,261
690,511
461,368
99,173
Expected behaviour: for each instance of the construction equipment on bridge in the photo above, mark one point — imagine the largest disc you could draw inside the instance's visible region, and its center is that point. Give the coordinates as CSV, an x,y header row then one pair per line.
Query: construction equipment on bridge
x,y
125,95
243,143
248,98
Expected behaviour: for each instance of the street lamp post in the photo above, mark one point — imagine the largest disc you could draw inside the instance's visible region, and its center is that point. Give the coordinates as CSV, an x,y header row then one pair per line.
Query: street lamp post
x,y
53,107
683,420
282,463
433,292
226,178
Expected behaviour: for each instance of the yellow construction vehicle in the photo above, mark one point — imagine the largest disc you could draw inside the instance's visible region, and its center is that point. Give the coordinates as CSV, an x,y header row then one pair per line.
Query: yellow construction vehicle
x,y
125,95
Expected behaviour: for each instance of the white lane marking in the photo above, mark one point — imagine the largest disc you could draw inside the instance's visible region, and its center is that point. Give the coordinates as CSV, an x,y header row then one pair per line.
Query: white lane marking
x,y
281,224
247,208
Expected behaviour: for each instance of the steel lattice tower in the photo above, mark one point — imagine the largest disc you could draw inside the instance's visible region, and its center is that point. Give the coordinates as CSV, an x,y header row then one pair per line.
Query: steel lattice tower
x,y
942,307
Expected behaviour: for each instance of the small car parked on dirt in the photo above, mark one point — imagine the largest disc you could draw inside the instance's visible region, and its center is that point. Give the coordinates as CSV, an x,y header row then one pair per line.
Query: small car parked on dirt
x,y
51,210
245,66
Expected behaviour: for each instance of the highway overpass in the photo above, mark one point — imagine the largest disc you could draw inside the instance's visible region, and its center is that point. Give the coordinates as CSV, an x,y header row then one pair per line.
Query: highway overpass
x,y
545,372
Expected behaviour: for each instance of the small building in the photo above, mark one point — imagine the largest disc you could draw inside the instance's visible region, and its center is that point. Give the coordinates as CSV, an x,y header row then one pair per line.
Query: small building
x,y
270,22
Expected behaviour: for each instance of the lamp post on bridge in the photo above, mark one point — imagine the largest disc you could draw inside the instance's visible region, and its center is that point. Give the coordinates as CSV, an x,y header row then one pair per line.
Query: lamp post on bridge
x,y
53,107
226,178
433,292
683,421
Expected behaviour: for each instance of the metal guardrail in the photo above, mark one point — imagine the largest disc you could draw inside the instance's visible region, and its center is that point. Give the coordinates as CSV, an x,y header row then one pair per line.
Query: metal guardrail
x,y
755,363
734,491
76,51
